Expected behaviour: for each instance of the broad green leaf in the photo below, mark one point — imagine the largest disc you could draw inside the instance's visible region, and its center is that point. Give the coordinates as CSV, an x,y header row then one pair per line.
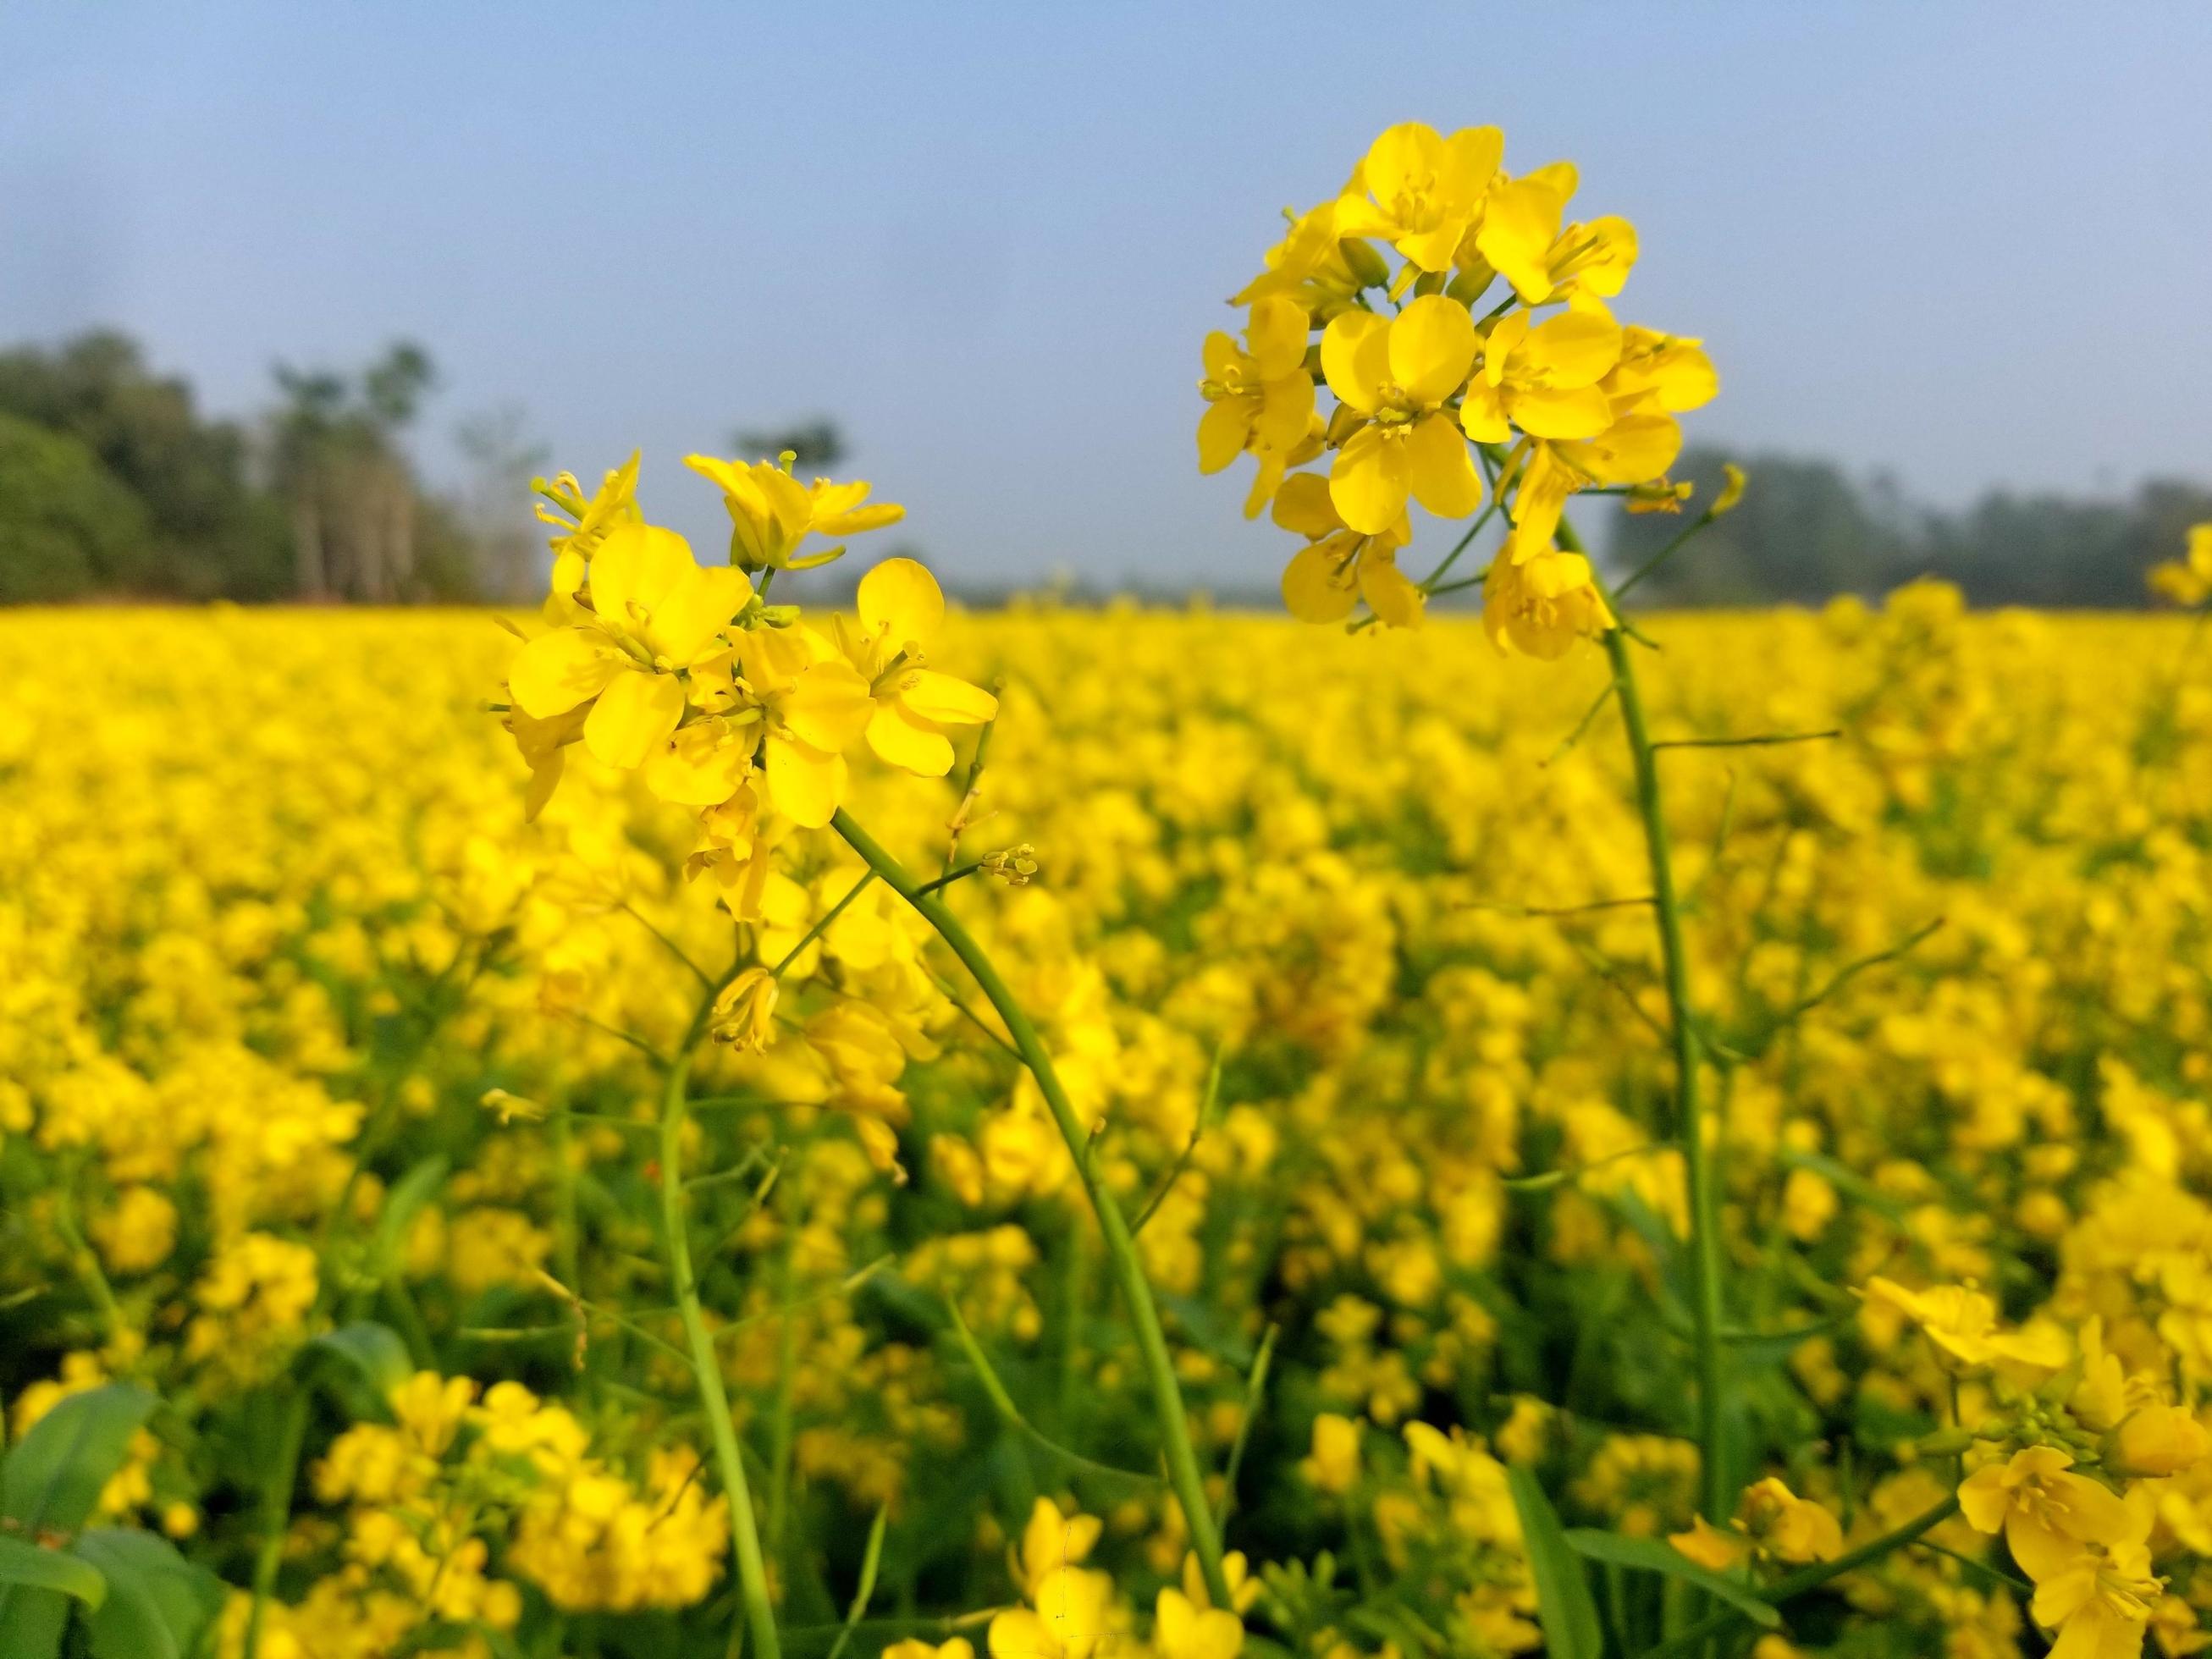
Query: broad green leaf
x,y
53,1478
29,1565
401,1204
32,1622
158,1603
1654,1556
375,1353
1563,1606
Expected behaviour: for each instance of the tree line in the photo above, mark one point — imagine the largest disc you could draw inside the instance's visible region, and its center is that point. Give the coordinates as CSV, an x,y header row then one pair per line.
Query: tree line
x,y
1805,530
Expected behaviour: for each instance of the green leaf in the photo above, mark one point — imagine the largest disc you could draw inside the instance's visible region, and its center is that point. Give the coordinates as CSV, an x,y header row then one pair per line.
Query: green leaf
x,y
43,1569
401,1204
32,1622
1563,1606
374,1354
52,1479
158,1603
1653,1556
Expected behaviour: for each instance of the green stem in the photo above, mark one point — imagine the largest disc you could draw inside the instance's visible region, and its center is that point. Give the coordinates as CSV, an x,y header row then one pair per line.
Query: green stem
x,y
786,1380
1113,1226
753,1572
1698,1157
822,926
277,1512
1809,1579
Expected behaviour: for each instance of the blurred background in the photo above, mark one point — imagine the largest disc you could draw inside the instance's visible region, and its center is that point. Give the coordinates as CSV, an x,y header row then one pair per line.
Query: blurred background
x,y
295,300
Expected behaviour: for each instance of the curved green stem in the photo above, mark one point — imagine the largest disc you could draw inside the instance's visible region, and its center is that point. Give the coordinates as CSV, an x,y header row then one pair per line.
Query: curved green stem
x,y
752,1571
1700,1157
1113,1226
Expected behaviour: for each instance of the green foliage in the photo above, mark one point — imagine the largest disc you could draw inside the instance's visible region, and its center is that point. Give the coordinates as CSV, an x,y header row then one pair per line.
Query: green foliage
x,y
1563,1596
1804,531
67,527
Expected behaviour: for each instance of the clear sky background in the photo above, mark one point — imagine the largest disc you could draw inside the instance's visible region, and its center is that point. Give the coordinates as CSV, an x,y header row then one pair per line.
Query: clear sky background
x,y
1971,243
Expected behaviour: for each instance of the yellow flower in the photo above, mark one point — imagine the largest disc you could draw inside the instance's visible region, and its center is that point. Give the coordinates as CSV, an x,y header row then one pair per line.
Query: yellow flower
x,y
583,522
1069,1618
1334,1464
1187,1629
1419,191
1397,374
1962,1323
2156,1441
2187,581
1314,264
1789,1528
1660,373
2046,1511
1543,378
1711,1548
1338,566
1051,1540
1542,473
2102,1598
1259,397
1732,483
771,513
1520,226
1538,600
655,612
915,1648
816,707
900,607
744,1010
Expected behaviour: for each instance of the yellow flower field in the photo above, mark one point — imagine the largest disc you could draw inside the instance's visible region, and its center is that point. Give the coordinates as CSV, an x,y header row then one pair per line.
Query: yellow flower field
x,y
331,1117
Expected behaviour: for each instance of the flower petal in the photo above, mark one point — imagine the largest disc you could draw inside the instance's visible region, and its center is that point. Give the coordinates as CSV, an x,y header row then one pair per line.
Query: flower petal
x,y
901,597
1223,431
702,601
1433,345
906,741
1276,337
1320,585
633,717
804,783
827,707
1367,481
1355,358
635,569
1440,469
557,671
936,696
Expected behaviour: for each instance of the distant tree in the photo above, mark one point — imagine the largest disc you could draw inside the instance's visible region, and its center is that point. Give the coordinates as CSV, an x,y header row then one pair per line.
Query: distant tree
x,y
356,515
1801,532
816,445
209,530
503,458
68,526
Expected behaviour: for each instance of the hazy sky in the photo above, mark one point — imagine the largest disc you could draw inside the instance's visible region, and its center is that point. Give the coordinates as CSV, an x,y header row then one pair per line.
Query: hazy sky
x,y
1972,242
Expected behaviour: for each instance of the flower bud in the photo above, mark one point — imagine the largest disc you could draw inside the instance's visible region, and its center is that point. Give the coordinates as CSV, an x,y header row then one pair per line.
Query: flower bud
x,y
2156,1441
1366,264
1731,490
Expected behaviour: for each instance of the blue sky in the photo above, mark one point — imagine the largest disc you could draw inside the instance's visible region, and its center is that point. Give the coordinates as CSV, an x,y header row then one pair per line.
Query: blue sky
x,y
1968,242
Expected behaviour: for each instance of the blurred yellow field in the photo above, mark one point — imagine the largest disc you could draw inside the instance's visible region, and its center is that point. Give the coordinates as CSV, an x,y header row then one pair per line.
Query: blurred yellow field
x,y
1341,945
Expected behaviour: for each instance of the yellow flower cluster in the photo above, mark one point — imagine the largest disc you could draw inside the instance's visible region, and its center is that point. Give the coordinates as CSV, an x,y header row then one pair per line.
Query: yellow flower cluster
x,y
1463,318
270,951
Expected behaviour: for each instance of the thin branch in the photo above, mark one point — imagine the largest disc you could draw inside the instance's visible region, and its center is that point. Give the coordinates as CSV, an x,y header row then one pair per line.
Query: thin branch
x,y
1003,1403
1582,726
950,877
822,926
620,1036
1762,740
1537,1184
1256,1387
971,791
1605,971
1561,909
666,943
1842,977
1664,554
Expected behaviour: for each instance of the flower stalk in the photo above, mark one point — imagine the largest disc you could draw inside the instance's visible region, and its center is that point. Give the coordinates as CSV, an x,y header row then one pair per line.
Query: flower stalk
x,y
1113,1227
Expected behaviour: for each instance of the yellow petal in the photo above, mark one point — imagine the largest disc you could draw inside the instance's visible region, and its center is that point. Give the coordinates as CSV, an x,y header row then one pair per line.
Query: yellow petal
x,y
1319,586
936,696
633,717
557,671
1408,154
1575,349
1440,469
805,784
634,570
1389,593
1285,412
1431,346
1303,506
701,602
1276,337
1355,358
1223,431
908,741
901,598
1554,412
703,764
1519,221
1632,449
1368,483
826,706
1482,413
1471,158
859,519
